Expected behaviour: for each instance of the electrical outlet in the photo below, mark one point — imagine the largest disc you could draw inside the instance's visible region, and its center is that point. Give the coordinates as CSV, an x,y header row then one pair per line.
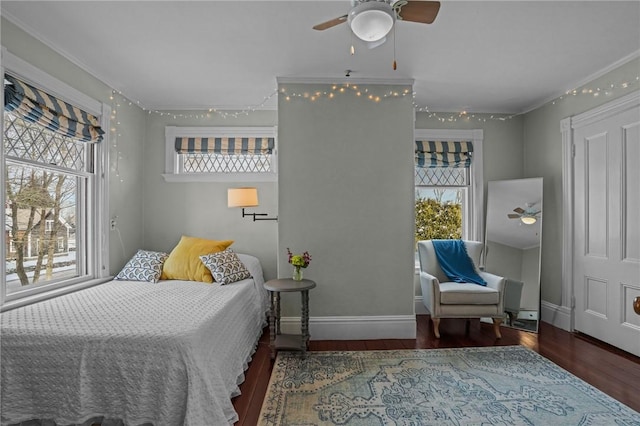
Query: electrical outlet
x,y
112,224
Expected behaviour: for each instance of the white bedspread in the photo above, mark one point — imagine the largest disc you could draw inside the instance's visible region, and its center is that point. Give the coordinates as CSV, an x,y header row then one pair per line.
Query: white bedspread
x,y
169,353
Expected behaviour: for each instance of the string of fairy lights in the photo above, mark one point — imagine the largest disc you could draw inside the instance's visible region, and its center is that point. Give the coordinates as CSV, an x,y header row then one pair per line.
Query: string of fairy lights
x,y
367,93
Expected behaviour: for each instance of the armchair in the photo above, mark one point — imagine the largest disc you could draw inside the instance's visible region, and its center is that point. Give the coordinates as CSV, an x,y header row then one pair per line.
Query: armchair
x,y
446,299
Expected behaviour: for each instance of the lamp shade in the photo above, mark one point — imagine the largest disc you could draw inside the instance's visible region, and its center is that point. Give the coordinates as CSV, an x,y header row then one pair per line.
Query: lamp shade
x,y
371,21
242,197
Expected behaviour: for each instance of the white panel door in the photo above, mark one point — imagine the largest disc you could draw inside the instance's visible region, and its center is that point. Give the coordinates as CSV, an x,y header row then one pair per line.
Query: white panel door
x,y
606,261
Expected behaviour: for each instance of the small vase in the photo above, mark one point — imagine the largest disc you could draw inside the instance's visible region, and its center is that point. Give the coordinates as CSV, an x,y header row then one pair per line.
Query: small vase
x,y
297,273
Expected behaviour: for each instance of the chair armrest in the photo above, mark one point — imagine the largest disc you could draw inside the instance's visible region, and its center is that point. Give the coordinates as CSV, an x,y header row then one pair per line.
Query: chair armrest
x,y
493,281
497,283
430,292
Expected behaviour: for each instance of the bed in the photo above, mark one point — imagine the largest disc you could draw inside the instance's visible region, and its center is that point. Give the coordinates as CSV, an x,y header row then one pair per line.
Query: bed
x,y
166,353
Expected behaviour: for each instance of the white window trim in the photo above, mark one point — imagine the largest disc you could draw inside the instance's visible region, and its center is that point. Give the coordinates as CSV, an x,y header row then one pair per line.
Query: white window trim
x,y
171,157
98,252
474,223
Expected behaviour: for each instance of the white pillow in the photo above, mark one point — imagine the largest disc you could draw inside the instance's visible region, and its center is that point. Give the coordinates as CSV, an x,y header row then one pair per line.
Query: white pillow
x,y
225,266
143,266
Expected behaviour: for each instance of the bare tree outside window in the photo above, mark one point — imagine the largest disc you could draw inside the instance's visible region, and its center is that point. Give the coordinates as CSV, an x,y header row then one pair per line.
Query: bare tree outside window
x,y
42,182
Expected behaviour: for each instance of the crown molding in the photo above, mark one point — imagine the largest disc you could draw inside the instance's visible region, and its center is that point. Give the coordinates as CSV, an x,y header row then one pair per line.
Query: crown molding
x,y
59,50
585,80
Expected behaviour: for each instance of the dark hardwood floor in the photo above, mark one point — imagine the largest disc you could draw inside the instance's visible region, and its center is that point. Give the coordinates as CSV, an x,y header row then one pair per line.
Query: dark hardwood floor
x,y
613,371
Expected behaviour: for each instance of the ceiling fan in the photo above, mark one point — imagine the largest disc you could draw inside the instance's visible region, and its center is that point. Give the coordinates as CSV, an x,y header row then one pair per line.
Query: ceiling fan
x,y
371,20
528,216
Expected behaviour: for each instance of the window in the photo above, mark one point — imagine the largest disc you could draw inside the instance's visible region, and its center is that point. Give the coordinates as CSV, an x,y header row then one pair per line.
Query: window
x,y
54,188
220,154
449,186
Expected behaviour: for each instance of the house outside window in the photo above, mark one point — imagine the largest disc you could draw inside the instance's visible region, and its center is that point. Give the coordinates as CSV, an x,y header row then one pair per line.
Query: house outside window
x,y
449,199
53,181
220,154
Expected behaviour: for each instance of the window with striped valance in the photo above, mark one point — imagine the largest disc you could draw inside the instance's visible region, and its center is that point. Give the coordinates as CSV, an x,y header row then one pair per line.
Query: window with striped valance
x,y
37,106
443,154
217,154
225,145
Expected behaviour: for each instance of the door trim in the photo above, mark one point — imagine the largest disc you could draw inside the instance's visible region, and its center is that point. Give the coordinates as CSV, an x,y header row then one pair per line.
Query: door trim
x,y
567,127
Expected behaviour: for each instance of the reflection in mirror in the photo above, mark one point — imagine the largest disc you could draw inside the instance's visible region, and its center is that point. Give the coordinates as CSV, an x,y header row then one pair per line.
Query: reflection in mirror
x,y
513,240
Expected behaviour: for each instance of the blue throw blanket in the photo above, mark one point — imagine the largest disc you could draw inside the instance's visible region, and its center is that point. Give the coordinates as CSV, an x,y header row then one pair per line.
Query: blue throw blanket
x,y
455,262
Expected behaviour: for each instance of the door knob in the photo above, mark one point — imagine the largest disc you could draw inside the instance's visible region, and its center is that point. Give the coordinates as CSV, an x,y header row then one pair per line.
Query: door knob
x,y
636,305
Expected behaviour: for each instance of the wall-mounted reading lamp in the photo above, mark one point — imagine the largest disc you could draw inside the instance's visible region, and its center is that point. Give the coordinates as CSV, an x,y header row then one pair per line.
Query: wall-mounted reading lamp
x,y
246,197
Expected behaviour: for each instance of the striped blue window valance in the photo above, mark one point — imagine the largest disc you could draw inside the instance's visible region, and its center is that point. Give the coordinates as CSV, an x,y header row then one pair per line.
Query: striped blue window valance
x,y
441,154
37,106
227,146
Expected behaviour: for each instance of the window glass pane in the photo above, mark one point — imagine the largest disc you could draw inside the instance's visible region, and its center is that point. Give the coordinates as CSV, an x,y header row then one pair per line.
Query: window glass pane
x,y
41,204
223,163
441,176
29,141
439,213
40,225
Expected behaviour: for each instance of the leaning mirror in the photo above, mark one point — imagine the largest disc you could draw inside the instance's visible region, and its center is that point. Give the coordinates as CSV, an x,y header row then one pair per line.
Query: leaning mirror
x,y
512,246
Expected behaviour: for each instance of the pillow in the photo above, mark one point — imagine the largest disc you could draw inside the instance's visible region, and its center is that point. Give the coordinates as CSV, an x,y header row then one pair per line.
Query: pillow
x,y
143,266
184,261
226,267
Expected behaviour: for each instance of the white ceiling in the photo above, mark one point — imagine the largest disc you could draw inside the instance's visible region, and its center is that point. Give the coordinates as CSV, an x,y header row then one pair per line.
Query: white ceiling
x,y
478,56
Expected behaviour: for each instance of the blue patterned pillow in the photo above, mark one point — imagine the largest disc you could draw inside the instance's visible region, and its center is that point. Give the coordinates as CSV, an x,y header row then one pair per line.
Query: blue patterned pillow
x,y
143,266
225,266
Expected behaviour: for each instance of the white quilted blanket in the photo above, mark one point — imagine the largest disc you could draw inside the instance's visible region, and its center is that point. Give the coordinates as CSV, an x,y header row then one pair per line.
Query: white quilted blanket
x,y
170,353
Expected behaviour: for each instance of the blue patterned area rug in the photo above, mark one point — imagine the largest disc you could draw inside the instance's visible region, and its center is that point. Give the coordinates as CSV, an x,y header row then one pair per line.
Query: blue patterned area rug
x,y
505,385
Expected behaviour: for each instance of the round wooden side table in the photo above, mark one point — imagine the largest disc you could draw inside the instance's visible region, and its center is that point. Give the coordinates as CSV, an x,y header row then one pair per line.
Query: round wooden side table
x,y
277,340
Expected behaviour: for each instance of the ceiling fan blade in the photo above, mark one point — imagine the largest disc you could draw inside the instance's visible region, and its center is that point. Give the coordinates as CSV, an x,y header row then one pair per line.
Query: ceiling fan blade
x,y
513,216
419,11
332,23
518,210
534,213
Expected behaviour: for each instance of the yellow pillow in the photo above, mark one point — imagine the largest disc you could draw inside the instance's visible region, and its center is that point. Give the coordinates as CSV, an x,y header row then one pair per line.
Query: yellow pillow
x,y
184,261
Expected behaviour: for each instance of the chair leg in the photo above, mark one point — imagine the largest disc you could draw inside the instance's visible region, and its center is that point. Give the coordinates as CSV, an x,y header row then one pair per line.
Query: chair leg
x,y
436,327
496,327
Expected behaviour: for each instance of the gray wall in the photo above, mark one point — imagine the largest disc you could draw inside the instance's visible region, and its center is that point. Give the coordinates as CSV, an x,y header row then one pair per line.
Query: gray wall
x,y
200,209
542,142
346,196
530,276
125,190
502,146
504,260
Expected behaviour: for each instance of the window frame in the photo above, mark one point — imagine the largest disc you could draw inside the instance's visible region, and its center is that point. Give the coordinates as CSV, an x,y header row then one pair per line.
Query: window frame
x,y
473,227
97,189
172,173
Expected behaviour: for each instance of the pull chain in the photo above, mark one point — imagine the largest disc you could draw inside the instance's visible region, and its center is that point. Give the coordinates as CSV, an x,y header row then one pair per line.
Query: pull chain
x,y
395,66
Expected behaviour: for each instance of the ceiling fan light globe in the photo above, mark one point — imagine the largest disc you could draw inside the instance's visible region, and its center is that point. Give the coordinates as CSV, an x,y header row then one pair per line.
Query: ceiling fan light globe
x,y
528,220
371,21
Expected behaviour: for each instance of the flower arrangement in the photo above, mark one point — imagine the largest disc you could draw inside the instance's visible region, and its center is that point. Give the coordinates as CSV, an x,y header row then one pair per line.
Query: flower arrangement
x,y
298,261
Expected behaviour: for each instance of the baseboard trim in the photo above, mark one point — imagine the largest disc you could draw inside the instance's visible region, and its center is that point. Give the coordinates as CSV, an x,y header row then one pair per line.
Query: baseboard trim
x,y
394,326
354,328
556,315
420,308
